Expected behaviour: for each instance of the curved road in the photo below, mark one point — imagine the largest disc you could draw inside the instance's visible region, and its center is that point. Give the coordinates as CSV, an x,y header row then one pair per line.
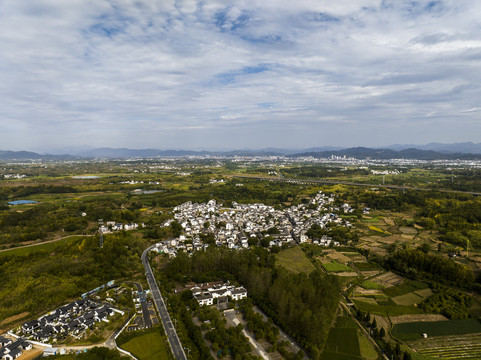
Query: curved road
x,y
174,341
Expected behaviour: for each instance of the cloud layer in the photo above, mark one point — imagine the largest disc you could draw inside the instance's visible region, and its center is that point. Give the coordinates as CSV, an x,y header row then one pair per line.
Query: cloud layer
x,y
237,74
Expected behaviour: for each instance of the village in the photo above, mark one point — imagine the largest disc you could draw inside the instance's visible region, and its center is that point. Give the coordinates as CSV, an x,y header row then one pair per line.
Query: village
x,y
242,225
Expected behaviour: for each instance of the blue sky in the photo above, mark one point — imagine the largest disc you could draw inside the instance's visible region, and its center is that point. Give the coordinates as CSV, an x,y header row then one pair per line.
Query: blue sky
x,y
238,74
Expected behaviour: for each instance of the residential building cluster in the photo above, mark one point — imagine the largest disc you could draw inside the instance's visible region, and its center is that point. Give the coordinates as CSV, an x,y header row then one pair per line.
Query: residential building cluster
x,y
111,226
385,172
12,349
234,226
206,293
71,319
14,176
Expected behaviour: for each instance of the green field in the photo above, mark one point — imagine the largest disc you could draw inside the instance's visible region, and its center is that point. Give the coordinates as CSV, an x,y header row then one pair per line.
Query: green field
x,y
343,341
150,346
334,266
366,284
408,299
294,260
414,330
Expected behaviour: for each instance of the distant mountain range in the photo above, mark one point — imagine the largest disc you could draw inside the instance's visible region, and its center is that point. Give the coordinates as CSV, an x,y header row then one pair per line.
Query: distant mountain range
x,y
464,148
433,151
29,155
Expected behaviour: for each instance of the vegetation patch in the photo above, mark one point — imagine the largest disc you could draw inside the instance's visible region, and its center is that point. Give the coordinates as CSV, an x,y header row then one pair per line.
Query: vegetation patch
x,y
376,229
147,346
449,302
343,341
407,299
294,260
366,284
334,266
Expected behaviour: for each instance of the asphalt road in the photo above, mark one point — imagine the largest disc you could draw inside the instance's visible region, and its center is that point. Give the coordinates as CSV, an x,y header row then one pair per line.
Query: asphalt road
x,y
143,304
174,341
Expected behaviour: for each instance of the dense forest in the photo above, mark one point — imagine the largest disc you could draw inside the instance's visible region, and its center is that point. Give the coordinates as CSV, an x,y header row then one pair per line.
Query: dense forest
x,y
415,263
302,304
41,280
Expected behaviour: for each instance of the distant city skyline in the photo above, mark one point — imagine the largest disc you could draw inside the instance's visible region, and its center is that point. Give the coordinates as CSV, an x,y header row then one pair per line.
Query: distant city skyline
x,y
192,74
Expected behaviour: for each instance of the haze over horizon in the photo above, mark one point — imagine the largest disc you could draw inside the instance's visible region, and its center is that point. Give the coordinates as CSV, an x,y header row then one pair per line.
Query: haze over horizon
x,y
193,74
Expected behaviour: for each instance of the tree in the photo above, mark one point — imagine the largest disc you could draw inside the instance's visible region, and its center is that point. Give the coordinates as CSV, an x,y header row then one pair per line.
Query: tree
x,y
176,228
382,333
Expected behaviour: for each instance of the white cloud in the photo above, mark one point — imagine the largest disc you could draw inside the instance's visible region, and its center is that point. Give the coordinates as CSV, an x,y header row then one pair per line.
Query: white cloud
x,y
126,73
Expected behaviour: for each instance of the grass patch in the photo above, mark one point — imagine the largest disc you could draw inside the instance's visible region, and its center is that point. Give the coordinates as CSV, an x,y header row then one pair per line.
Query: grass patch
x,y
414,330
334,266
407,299
343,341
294,260
371,220
405,288
368,352
371,285
148,346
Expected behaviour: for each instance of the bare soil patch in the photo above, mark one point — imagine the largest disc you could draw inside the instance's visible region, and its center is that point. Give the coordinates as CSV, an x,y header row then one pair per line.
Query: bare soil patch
x,y
381,322
401,319
366,300
389,222
31,354
424,293
14,318
361,291
370,273
346,274
388,279
408,230
339,257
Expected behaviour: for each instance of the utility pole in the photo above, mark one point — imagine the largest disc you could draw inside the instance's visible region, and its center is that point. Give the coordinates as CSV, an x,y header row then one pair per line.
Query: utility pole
x,y
188,351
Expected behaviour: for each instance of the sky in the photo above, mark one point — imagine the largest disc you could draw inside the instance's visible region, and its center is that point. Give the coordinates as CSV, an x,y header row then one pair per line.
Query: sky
x,y
195,74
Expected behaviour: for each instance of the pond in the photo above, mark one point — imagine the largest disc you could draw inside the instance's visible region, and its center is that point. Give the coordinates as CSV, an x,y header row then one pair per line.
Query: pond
x,y
21,202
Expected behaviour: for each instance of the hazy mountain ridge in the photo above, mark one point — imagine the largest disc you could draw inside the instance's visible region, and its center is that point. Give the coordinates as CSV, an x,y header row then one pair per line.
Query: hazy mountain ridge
x,y
29,155
464,147
319,152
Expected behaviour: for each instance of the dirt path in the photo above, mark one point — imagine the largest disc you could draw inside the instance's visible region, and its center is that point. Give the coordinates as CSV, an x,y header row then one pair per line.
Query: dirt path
x,y
44,242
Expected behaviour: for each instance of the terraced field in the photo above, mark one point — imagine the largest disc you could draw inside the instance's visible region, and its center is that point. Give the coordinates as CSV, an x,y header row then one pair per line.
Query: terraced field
x,y
450,347
472,351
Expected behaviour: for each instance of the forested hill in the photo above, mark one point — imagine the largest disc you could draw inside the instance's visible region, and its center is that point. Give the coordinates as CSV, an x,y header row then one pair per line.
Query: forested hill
x,y
384,154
